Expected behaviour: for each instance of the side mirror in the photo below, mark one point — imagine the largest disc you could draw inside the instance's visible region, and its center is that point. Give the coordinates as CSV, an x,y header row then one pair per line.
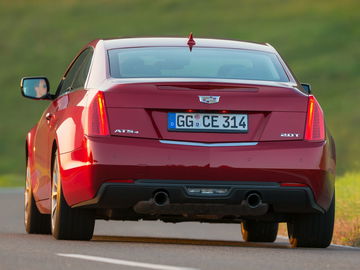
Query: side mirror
x,y
307,87
35,87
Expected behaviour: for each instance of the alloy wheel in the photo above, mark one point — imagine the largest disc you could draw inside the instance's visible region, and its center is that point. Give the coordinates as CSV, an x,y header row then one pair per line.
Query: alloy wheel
x,y
54,193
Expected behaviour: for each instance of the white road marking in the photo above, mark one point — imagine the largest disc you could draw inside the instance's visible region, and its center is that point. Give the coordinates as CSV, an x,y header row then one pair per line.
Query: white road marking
x,y
124,262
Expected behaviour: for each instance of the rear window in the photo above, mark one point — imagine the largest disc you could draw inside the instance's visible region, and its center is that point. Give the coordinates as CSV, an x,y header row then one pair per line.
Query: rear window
x,y
179,62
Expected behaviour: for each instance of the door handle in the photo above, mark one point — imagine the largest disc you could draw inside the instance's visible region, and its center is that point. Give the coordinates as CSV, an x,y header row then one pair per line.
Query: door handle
x,y
49,116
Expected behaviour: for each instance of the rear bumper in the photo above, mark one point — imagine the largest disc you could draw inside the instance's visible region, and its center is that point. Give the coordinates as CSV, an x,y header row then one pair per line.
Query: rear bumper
x,y
89,174
139,196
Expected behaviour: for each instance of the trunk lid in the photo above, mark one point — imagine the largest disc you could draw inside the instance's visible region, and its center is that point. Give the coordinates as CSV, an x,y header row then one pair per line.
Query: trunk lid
x,y
275,113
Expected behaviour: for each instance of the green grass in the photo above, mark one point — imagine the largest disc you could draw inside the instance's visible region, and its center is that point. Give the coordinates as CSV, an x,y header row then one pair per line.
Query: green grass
x,y
348,196
11,180
319,39
347,221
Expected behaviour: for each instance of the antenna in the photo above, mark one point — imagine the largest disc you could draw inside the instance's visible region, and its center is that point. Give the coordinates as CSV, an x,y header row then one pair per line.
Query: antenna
x,y
191,42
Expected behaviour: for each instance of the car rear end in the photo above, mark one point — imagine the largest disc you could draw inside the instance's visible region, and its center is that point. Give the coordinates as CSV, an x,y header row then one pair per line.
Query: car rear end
x,y
245,142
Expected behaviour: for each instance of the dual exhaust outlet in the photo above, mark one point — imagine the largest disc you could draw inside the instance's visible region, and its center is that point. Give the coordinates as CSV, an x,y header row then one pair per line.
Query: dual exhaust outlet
x,y
252,200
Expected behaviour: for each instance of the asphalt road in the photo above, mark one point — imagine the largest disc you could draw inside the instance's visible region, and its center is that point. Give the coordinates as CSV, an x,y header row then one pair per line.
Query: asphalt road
x,y
155,245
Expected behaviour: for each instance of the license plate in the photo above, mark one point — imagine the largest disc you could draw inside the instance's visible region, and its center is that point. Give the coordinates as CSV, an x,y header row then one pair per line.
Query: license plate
x,y
205,122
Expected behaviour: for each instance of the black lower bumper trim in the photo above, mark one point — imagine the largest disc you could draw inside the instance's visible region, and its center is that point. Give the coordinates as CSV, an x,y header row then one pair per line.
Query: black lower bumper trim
x,y
288,200
203,209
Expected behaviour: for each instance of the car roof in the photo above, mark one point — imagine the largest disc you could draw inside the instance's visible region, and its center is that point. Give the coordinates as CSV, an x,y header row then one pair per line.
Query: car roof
x,y
117,43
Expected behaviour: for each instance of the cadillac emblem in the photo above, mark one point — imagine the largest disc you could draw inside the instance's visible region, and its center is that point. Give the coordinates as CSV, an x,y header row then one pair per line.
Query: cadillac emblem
x,y
209,99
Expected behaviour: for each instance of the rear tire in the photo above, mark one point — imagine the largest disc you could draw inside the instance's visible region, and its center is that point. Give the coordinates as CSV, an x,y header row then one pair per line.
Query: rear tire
x,y
312,230
257,231
34,221
68,223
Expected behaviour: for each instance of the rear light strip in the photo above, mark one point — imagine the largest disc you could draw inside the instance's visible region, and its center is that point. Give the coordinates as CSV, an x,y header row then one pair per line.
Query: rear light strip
x,y
97,116
104,126
315,124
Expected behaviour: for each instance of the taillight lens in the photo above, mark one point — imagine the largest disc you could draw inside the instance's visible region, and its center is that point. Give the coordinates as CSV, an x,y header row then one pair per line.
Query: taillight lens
x,y
315,124
98,121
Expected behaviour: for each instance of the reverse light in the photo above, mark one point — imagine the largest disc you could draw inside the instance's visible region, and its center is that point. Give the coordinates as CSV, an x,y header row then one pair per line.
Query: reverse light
x,y
98,121
315,124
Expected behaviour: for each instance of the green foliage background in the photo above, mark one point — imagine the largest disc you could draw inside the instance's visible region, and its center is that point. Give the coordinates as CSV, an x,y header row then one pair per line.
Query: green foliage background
x,y
319,39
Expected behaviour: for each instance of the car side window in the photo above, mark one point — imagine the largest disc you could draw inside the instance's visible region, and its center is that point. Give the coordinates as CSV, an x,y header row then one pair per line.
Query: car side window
x,y
80,78
79,67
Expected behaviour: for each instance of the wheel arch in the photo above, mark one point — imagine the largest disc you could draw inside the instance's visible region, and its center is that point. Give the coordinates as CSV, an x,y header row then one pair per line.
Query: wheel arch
x,y
54,148
29,142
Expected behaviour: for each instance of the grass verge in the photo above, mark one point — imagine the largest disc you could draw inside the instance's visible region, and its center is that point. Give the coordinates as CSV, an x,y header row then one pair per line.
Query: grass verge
x,y
347,222
11,180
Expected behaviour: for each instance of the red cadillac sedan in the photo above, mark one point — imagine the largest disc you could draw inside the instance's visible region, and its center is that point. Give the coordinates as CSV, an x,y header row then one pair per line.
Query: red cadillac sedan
x,y
180,129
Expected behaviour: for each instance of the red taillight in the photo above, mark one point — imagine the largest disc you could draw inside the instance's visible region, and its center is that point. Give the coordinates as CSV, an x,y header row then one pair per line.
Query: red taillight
x,y
98,122
292,185
315,125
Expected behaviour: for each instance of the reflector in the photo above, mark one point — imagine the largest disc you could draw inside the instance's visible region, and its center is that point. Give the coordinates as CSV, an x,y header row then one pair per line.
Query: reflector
x,y
292,185
130,181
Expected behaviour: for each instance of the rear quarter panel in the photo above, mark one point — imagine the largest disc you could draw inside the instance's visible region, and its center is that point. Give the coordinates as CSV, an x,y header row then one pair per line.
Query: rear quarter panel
x,y
66,132
70,121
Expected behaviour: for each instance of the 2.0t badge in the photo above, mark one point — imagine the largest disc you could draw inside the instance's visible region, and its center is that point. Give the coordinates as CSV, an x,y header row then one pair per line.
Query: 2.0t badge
x,y
209,99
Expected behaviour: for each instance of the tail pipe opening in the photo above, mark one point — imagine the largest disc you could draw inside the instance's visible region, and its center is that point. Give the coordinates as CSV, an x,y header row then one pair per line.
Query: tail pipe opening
x,y
161,198
253,200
